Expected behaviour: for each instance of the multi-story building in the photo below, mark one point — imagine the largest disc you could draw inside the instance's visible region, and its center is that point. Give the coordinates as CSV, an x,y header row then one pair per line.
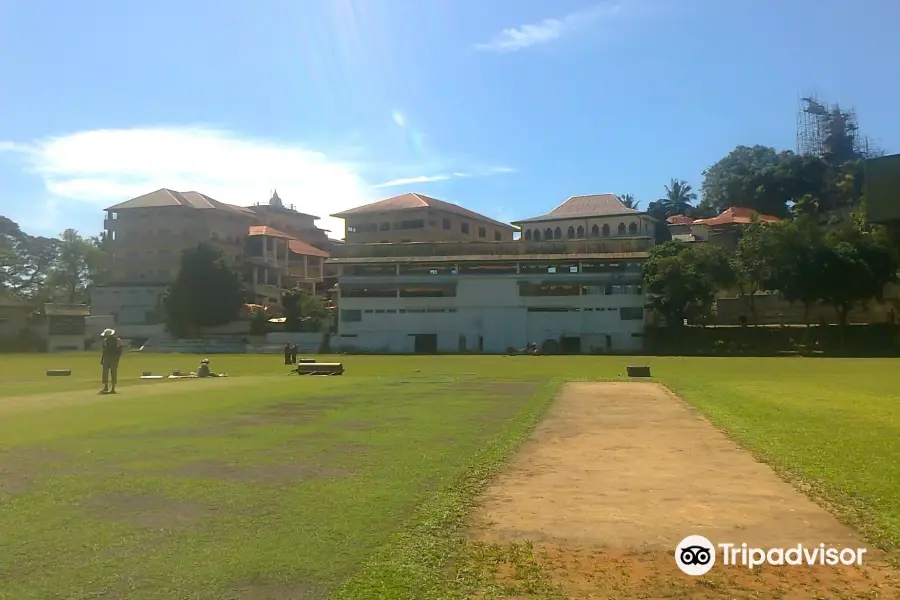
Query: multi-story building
x,y
568,294
598,216
274,246
419,218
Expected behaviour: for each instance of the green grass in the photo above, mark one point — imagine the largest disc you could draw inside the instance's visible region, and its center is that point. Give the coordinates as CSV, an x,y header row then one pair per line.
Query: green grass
x,y
355,486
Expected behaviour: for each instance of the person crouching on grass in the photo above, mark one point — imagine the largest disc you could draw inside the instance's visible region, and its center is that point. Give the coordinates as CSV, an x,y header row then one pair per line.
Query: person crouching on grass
x,y
111,347
203,370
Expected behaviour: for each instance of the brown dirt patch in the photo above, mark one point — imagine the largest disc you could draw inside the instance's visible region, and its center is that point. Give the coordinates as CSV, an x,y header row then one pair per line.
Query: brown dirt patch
x,y
285,473
357,425
21,469
256,590
619,473
289,412
147,510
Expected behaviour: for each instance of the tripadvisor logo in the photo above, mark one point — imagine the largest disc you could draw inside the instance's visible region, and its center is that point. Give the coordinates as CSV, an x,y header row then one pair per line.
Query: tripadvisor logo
x,y
695,555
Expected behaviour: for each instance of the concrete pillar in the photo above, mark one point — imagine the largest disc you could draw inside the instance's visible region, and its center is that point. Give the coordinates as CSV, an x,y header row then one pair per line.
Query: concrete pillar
x,y
305,267
255,275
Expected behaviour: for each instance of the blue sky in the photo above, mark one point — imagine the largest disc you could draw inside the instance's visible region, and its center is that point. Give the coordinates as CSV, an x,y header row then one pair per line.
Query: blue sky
x,y
504,106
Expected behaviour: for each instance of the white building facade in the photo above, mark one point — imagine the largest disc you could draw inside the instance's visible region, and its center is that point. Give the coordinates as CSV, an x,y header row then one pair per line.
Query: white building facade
x,y
493,297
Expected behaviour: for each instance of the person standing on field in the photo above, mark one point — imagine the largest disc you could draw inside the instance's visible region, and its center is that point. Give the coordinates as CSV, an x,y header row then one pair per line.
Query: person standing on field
x,y
111,352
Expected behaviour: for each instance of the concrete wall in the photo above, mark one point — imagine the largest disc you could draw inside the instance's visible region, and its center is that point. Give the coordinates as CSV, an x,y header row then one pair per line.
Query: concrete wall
x,y
590,227
488,315
437,226
145,244
132,305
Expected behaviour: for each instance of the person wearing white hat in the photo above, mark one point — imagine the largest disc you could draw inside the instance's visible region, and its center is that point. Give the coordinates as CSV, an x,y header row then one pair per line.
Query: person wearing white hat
x,y
204,371
111,347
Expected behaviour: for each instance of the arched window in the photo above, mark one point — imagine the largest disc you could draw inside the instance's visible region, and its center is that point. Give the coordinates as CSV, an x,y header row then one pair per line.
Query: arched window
x,y
557,233
548,234
632,228
527,234
621,228
570,233
606,230
537,235
595,231
580,232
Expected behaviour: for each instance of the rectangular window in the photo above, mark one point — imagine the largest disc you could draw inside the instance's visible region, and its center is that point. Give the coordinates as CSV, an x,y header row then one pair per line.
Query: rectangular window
x,y
446,223
427,269
414,224
498,268
384,227
631,313
351,316
368,292
529,289
498,237
464,227
482,232
364,270
428,291
552,269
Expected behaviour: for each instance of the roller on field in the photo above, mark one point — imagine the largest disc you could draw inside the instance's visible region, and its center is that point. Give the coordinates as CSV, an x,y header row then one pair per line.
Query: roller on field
x,y
314,368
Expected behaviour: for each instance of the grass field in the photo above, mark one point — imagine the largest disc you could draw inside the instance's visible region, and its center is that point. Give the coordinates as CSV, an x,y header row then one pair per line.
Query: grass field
x,y
268,486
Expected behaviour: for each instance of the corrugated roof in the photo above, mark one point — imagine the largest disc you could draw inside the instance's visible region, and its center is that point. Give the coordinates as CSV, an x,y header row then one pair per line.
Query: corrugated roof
x,y
413,200
593,205
680,220
737,215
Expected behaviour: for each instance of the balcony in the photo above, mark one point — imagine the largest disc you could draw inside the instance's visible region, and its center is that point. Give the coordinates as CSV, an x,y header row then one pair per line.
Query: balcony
x,y
637,245
269,261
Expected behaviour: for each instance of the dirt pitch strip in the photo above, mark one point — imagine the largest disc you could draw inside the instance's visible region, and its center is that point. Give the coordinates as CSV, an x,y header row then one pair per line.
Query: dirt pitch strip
x,y
617,474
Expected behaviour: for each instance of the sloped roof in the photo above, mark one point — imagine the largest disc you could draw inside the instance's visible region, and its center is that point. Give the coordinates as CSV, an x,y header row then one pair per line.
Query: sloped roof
x,y
680,220
593,205
165,197
737,215
413,200
269,231
296,246
301,247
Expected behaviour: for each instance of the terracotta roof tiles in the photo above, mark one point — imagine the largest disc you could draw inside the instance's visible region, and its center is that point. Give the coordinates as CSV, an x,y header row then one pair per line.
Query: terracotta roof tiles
x,y
413,200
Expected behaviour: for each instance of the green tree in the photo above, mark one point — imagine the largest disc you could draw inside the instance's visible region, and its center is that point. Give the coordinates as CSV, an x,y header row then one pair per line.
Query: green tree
x,y
679,281
752,262
25,261
206,293
79,263
304,311
795,265
857,261
629,201
725,184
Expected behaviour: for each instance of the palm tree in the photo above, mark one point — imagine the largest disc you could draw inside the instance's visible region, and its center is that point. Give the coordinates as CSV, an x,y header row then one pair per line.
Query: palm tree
x,y
629,201
679,196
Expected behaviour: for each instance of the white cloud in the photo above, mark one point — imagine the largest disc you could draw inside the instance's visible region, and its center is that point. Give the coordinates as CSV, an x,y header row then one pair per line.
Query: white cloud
x,y
411,180
399,119
444,177
500,170
104,167
548,30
